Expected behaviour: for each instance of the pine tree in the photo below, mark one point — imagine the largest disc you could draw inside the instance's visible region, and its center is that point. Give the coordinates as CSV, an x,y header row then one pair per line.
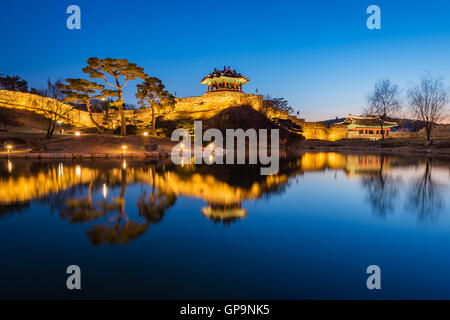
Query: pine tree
x,y
80,91
121,71
152,92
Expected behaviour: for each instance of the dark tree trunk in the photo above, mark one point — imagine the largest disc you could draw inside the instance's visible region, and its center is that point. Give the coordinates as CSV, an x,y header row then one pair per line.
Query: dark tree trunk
x,y
123,122
49,128
428,131
153,121
97,126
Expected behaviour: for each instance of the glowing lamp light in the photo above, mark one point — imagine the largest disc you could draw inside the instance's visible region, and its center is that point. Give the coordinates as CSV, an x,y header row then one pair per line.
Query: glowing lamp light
x,y
105,191
145,134
9,148
60,169
124,164
124,148
77,133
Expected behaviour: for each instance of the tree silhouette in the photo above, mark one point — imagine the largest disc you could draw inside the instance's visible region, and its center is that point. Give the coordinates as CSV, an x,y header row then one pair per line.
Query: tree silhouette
x,y
428,101
121,71
14,83
55,109
384,102
152,93
80,91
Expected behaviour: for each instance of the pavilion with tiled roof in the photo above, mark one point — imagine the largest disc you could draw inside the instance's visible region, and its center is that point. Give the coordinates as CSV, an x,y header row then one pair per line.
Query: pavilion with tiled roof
x,y
224,80
368,125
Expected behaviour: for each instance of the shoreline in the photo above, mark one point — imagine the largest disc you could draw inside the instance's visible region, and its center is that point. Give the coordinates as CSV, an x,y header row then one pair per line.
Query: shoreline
x,y
48,155
164,155
394,151
92,146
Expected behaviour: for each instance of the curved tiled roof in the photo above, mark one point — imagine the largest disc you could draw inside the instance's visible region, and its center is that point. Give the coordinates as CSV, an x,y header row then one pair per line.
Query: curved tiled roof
x,y
370,121
226,72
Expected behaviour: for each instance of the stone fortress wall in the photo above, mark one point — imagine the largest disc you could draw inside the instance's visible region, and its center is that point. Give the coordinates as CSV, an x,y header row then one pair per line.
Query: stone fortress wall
x,y
322,131
202,107
39,104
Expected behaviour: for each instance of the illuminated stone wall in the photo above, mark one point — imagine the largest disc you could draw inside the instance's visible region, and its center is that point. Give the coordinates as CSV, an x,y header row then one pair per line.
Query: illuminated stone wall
x,y
205,106
38,104
320,131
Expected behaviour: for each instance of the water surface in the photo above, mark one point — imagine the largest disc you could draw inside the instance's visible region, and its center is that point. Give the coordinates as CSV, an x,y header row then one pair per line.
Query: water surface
x,y
158,231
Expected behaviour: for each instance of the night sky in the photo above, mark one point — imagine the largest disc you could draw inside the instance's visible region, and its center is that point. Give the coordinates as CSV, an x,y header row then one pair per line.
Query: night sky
x,y
317,54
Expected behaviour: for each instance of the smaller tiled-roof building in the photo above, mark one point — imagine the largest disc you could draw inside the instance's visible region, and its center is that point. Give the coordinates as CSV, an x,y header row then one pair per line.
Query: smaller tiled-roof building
x,y
367,127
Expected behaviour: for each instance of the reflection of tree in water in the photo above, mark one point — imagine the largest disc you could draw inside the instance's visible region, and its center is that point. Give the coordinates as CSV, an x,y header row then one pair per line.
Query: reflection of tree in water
x,y
152,206
82,209
113,231
382,190
425,195
13,208
117,229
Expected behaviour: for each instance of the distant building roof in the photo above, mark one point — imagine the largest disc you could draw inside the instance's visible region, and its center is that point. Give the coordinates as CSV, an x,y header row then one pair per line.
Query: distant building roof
x,y
365,122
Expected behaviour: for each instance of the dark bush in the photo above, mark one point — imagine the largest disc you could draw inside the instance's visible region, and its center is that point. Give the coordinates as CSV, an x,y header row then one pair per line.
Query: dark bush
x,y
131,129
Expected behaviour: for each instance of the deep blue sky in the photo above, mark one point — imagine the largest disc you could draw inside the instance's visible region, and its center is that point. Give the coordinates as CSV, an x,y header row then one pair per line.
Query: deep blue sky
x,y
317,54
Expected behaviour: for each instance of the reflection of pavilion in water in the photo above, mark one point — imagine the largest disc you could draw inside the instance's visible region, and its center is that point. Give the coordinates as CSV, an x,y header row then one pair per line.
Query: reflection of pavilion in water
x,y
224,213
223,188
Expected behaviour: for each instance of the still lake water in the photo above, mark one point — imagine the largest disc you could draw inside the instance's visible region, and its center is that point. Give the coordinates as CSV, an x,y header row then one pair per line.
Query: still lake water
x,y
157,231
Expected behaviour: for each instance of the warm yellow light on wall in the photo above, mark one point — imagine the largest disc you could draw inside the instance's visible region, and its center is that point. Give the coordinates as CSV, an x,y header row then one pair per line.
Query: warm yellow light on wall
x,y
124,164
78,170
77,133
9,166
